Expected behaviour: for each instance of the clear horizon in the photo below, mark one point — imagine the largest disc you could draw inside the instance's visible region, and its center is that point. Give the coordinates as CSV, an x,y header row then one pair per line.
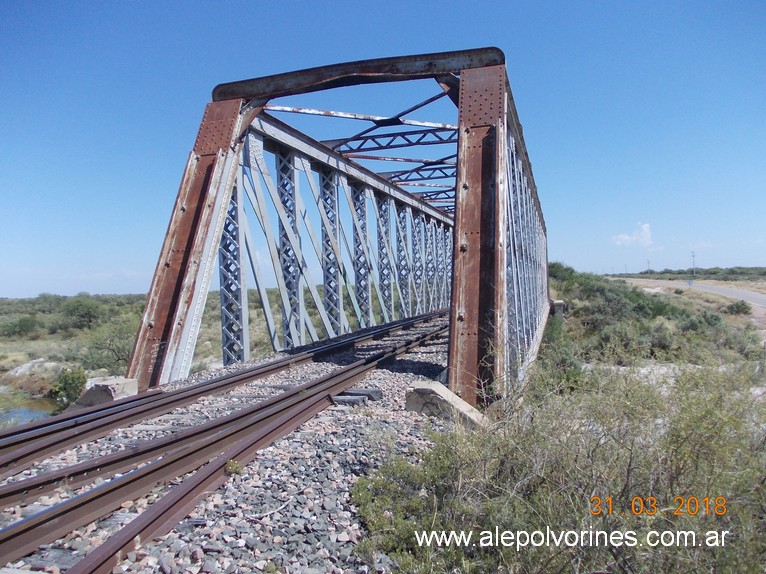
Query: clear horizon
x,y
644,124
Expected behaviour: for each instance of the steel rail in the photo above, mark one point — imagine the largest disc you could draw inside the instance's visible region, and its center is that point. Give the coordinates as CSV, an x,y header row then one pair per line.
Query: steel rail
x,y
23,536
20,451
167,512
13,435
171,508
74,476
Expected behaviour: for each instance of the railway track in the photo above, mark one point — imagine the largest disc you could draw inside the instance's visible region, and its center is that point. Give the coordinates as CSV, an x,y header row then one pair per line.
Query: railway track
x,y
194,459
21,446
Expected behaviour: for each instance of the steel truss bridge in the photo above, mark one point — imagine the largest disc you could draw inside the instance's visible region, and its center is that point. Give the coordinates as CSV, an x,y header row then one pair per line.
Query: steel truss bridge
x,y
378,218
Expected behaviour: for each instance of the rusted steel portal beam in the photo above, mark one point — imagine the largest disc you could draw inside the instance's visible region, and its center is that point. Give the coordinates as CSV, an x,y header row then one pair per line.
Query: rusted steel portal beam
x,y
401,242
169,306
499,284
477,206
438,66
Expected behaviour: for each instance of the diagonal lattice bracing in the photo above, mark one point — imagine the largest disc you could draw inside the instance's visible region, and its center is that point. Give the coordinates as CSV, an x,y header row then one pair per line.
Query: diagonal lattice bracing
x,y
395,140
404,259
331,263
288,262
323,241
235,331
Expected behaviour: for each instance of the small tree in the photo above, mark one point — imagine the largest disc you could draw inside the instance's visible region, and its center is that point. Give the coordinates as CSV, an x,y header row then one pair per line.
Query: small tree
x,y
82,312
110,344
68,387
21,327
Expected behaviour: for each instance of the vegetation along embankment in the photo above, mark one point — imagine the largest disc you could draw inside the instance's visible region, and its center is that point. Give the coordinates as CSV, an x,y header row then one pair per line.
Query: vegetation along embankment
x,y
645,412
49,336
753,274
644,417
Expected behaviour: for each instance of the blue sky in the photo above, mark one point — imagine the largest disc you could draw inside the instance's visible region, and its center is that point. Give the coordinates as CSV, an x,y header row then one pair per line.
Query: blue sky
x,y
645,122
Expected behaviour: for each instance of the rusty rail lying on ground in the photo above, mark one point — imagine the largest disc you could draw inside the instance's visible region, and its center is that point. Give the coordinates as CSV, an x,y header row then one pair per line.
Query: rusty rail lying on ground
x,y
263,424
18,450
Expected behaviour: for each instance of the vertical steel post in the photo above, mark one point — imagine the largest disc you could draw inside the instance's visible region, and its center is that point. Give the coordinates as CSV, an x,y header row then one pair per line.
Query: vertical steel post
x,y
382,204
288,260
403,260
331,267
418,261
441,267
513,291
235,330
478,293
361,263
430,245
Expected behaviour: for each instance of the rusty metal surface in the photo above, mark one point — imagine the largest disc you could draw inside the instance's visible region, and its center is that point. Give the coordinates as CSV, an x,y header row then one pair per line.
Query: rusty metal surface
x,y
182,248
378,70
306,401
494,226
269,420
168,511
18,451
472,339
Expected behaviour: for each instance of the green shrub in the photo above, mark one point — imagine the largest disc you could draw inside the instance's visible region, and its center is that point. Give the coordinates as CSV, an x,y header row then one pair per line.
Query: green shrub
x,y
661,340
711,319
68,387
559,353
596,431
109,345
619,437
738,308
23,327
82,311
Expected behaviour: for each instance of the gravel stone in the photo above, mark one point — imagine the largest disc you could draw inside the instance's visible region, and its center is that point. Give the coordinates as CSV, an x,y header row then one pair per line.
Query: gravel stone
x,y
290,507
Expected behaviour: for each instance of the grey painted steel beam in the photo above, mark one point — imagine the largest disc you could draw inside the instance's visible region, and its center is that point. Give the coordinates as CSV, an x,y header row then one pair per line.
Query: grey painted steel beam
x,y
403,260
394,140
235,326
331,261
293,325
361,261
385,270
290,137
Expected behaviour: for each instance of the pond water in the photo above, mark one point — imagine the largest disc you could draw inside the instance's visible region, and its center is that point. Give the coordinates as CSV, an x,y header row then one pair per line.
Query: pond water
x,y
16,408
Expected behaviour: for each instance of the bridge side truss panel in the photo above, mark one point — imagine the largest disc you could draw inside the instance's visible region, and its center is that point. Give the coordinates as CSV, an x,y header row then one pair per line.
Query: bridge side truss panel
x,y
322,246
301,233
360,236
235,329
499,284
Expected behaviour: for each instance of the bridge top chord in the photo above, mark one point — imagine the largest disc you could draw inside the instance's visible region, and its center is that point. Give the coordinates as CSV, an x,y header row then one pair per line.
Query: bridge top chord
x,y
403,212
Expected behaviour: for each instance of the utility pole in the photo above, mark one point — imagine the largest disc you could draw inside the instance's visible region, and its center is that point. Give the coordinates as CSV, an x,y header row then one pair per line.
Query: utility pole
x,y
694,266
648,266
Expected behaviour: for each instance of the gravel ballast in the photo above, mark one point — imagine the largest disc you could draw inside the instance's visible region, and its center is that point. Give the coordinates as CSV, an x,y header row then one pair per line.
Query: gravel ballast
x,y
288,510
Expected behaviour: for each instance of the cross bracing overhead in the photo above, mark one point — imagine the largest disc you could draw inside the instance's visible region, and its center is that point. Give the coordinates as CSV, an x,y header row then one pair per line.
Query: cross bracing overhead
x,y
337,213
